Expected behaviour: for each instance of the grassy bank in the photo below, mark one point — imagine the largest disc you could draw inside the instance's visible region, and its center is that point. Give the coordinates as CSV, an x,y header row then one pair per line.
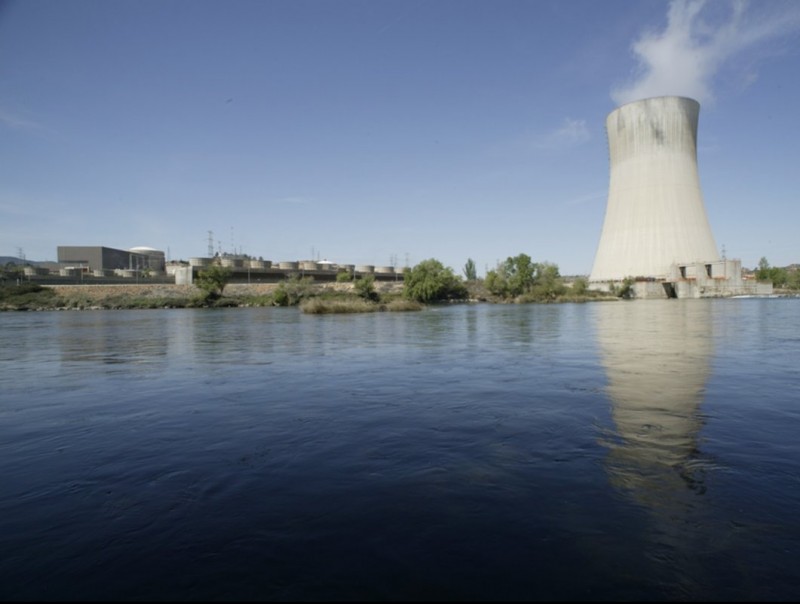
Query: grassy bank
x,y
340,297
310,297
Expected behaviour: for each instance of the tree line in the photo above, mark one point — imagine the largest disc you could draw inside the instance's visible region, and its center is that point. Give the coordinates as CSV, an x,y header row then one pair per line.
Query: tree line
x,y
780,277
517,279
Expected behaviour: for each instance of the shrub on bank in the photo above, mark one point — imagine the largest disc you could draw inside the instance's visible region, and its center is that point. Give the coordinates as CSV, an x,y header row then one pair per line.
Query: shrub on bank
x,y
318,306
431,281
293,291
28,296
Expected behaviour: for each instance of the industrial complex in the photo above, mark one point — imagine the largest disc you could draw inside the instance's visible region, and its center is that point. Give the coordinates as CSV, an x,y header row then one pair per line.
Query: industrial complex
x,y
99,264
656,237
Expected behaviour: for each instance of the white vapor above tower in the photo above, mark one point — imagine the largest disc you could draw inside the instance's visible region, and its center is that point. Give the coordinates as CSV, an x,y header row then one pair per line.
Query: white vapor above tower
x,y
655,216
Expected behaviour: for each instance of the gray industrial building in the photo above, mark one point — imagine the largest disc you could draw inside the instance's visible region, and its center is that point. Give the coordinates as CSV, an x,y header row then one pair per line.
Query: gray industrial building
x,y
99,258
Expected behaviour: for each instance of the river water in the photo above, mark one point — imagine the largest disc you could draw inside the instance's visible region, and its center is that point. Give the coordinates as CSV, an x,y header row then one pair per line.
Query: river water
x,y
631,451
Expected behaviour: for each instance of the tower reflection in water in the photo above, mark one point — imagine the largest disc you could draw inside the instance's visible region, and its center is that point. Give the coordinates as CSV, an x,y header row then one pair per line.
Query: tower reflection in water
x,y
657,356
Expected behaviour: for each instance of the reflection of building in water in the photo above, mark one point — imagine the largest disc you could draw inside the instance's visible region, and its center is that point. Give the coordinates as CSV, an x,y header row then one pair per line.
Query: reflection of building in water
x,y
657,357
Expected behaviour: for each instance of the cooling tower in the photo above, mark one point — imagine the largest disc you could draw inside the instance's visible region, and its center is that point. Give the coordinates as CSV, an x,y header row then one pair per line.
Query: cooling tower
x,y
655,215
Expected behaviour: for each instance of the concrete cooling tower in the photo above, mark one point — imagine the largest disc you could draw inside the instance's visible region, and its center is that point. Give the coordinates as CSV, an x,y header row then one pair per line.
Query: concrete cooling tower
x,y
655,217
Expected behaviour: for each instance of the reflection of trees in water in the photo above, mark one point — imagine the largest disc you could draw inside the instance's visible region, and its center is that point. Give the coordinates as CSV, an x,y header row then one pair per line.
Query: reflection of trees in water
x,y
112,337
657,357
524,325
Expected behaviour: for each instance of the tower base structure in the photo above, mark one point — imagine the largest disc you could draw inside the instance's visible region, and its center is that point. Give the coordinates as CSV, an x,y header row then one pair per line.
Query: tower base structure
x,y
716,279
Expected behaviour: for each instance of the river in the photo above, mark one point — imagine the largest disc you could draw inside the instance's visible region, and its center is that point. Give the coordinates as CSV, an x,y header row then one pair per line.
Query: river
x,y
629,451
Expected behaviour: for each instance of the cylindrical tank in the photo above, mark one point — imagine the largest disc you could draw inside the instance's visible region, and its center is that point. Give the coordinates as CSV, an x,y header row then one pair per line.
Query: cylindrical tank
x,y
365,268
309,266
199,261
231,262
259,264
655,215
288,265
384,270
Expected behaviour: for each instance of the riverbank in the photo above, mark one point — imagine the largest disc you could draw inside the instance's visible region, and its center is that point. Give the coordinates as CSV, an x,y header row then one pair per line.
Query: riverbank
x,y
326,297
129,296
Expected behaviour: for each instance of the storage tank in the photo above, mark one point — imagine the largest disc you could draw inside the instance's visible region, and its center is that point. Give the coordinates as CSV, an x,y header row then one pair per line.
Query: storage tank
x,y
655,216
231,262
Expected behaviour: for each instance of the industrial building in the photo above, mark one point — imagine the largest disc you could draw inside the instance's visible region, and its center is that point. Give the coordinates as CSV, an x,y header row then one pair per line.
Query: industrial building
x,y
98,264
104,261
656,231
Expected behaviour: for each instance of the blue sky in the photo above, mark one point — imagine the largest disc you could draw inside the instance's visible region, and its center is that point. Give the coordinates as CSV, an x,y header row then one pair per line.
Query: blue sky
x,y
381,131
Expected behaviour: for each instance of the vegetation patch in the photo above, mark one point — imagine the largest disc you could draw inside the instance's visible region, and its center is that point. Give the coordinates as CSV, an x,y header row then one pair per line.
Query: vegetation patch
x,y
27,296
293,291
319,305
431,281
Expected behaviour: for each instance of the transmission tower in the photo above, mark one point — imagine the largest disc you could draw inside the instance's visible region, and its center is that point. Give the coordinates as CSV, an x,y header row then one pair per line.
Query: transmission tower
x,y
210,244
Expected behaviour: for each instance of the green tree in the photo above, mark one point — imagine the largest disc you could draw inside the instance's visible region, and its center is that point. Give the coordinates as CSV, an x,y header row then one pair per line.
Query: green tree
x,y
365,288
293,290
431,281
778,276
579,286
623,290
470,272
524,280
762,273
213,280
793,279
547,281
513,277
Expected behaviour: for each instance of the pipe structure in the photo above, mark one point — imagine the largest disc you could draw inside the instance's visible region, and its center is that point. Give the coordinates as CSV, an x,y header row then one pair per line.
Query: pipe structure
x,y
655,216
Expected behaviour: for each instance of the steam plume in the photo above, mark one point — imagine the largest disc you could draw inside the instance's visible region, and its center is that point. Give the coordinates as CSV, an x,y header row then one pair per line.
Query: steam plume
x,y
699,40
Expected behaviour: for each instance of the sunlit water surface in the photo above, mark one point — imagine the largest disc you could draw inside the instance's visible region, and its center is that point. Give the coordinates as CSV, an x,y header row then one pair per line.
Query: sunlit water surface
x,y
605,451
